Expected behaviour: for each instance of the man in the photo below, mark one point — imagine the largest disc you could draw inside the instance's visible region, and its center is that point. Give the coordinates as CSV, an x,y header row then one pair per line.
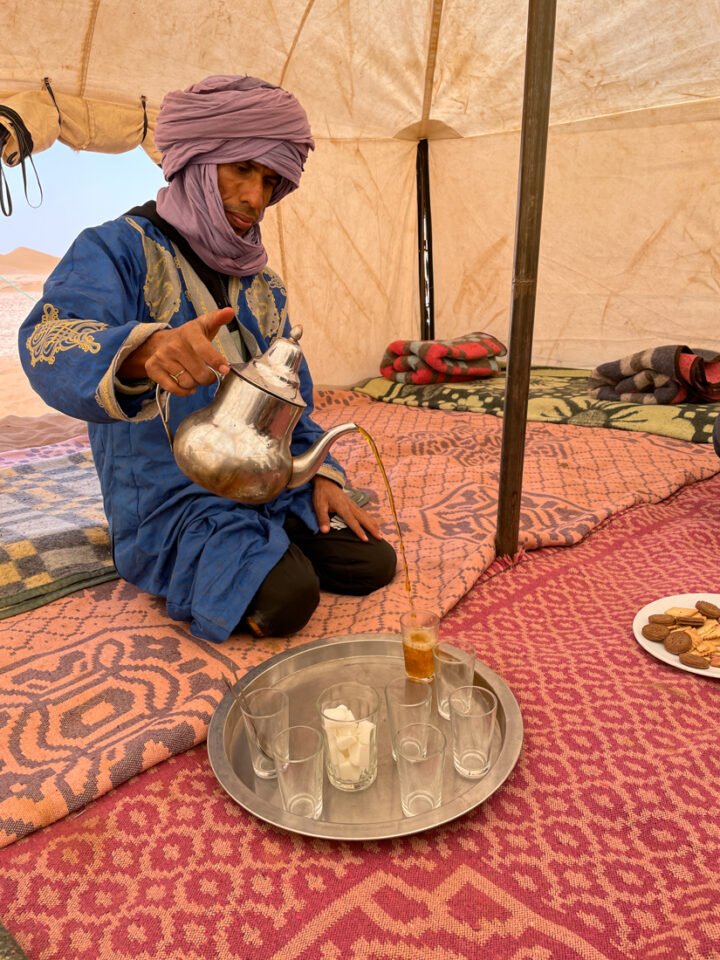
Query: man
x,y
166,295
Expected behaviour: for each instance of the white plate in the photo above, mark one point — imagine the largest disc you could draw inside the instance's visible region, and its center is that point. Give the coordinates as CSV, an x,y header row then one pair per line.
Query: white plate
x,y
660,606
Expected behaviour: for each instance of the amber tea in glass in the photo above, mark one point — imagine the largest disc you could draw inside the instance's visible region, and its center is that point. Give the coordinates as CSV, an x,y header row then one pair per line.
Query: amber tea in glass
x,y
420,634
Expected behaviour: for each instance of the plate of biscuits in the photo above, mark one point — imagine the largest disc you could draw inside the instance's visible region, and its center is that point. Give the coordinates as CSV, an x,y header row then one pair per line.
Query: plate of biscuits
x,y
683,631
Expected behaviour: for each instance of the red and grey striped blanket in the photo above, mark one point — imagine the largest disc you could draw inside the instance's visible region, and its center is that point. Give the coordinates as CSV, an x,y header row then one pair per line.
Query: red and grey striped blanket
x,y
470,357
671,374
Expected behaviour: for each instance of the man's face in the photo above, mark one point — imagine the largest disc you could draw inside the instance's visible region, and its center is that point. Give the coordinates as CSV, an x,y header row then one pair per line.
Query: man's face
x,y
245,190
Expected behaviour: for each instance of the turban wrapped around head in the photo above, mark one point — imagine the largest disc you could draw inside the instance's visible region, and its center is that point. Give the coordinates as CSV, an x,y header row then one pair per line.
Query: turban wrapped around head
x,y
226,119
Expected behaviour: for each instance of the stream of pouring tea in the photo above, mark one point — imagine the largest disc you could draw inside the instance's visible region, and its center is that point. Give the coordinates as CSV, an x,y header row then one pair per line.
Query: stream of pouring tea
x,y
375,450
417,648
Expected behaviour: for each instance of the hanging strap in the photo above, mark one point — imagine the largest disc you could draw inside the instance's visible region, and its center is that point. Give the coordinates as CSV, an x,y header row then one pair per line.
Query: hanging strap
x,y
143,101
25,148
46,81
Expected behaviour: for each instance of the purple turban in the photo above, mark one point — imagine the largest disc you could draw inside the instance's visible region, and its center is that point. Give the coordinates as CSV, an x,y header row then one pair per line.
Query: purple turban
x,y
226,120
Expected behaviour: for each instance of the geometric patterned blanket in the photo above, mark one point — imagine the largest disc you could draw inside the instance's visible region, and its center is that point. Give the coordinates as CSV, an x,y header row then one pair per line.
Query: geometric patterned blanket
x,y
100,685
54,536
556,395
603,844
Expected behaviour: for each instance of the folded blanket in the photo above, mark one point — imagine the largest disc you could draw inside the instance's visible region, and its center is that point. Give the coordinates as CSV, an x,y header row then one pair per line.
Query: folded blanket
x,y
469,357
672,374
53,532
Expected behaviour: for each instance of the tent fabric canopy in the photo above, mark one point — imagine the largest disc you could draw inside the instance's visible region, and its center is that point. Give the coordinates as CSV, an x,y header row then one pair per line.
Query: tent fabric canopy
x,y
632,186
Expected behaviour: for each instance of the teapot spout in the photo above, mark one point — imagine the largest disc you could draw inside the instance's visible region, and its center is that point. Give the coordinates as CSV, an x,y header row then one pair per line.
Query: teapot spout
x,y
307,464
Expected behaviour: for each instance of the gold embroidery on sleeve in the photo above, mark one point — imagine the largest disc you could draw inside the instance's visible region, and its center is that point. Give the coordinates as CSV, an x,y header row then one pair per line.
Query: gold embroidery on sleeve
x,y
105,395
52,335
262,303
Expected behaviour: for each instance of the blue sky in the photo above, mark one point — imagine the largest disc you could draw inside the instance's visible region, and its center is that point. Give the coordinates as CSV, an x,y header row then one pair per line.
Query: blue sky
x,y
79,190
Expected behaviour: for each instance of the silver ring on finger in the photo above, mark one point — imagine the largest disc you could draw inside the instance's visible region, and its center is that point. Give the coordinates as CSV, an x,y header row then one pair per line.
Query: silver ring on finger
x,y
176,376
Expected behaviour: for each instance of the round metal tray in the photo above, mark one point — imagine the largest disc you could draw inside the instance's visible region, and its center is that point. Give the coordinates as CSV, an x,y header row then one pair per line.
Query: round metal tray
x,y
303,672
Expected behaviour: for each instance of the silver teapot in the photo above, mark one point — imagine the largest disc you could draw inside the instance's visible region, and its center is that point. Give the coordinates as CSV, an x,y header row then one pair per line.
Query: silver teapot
x,y
239,445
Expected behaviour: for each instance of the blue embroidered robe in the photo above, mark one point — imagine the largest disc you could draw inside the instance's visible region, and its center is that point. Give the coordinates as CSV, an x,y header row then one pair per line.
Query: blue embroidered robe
x,y
119,283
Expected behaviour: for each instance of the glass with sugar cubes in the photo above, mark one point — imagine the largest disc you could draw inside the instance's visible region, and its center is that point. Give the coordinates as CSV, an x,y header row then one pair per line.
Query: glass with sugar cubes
x,y
349,719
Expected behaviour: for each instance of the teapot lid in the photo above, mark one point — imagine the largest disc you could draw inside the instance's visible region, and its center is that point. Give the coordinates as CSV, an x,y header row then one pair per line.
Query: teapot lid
x,y
276,370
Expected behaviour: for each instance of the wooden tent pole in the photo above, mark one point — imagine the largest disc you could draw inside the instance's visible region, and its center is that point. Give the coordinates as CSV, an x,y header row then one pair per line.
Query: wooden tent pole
x,y
531,178
425,254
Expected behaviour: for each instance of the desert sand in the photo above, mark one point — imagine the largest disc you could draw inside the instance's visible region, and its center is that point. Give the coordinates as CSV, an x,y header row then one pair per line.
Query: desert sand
x,y
22,274
22,261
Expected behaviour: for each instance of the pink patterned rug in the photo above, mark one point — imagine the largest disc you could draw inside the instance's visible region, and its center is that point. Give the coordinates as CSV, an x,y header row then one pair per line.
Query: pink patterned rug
x,y
99,685
602,845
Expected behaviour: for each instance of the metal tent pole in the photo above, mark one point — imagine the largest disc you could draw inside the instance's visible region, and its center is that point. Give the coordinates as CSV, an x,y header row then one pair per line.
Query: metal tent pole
x,y
533,145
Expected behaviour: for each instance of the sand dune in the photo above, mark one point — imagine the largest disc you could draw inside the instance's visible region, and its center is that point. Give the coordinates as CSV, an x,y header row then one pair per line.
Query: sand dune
x,y
23,261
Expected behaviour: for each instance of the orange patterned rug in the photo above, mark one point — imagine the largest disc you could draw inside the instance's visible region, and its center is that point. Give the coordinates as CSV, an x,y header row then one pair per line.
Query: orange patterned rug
x,y
100,685
602,844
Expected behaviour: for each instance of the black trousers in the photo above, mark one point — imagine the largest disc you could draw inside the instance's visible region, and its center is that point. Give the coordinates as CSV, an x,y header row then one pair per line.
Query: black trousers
x,y
338,562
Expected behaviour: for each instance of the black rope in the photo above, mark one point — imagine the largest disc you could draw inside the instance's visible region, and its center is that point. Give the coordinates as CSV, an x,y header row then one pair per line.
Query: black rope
x,y
143,101
15,122
5,198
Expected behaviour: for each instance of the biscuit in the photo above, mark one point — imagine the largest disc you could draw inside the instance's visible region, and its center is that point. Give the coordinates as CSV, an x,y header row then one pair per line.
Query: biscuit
x,y
677,642
655,631
662,618
694,660
681,612
708,609
697,621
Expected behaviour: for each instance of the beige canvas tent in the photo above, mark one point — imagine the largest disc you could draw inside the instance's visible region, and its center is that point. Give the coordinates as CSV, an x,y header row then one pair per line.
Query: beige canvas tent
x,y
632,198
601,844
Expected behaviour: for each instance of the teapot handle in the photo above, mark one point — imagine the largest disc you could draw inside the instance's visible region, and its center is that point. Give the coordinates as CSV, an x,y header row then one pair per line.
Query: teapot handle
x,y
165,414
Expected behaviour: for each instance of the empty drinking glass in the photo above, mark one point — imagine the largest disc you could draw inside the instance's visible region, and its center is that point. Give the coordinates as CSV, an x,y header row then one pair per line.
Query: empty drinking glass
x,y
420,763
453,668
472,716
407,702
298,753
266,712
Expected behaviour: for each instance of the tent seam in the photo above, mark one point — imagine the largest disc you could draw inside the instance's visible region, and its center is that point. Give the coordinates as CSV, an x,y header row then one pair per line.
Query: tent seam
x,y
431,58
294,43
87,46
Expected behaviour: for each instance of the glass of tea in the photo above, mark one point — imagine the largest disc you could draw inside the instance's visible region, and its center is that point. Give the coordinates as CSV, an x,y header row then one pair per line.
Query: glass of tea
x,y
419,634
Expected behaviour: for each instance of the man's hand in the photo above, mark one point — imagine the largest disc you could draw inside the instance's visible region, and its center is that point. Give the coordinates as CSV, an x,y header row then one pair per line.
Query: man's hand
x,y
329,498
180,359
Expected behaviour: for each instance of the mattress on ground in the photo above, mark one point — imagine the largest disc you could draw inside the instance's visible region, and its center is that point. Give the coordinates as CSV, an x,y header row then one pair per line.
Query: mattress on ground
x,y
556,395
54,538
